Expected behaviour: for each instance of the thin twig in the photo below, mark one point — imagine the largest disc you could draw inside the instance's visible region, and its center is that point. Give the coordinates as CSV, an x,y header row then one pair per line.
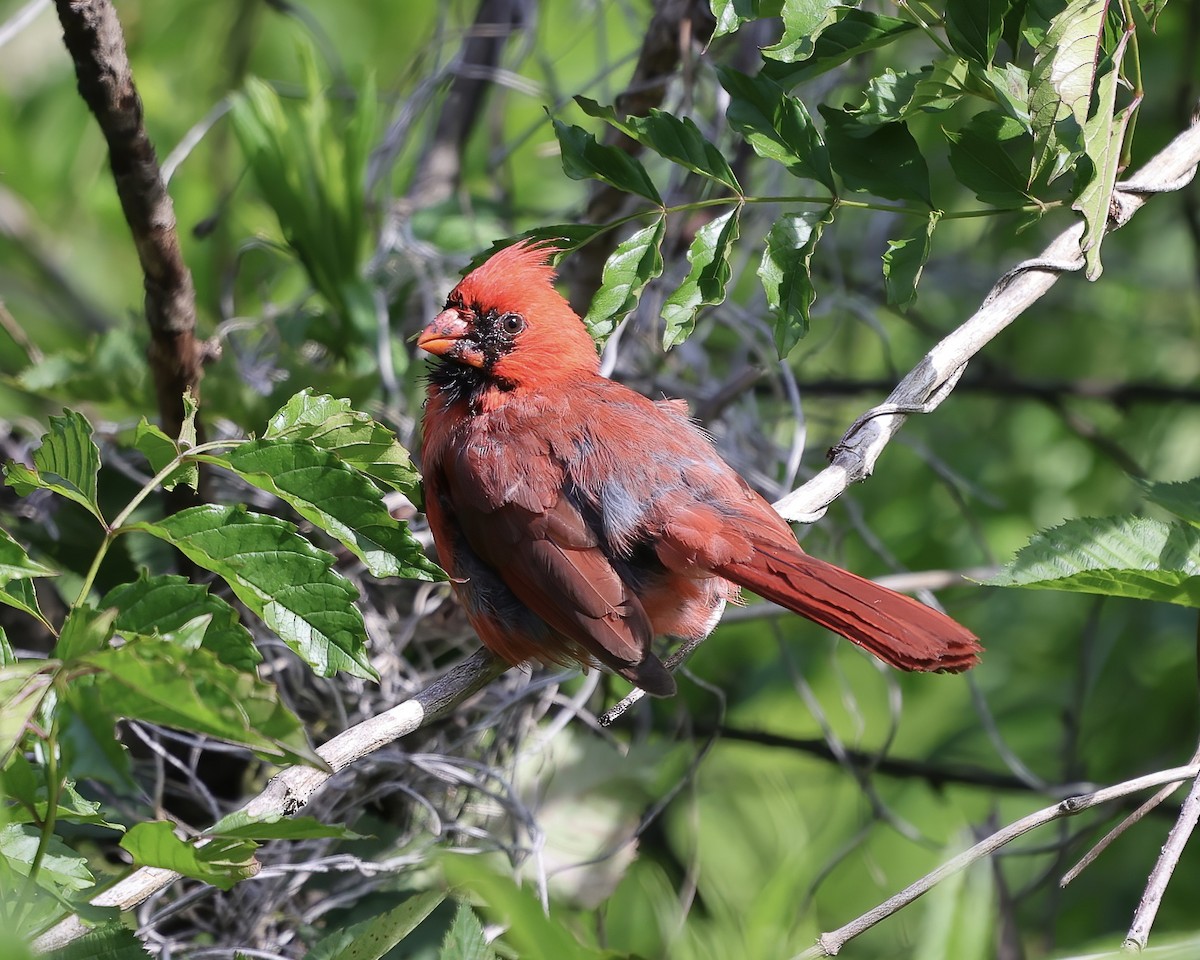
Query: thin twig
x,y
829,944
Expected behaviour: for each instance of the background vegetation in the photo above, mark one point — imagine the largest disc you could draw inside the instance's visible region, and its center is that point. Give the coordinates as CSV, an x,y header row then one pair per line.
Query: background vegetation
x,y
333,167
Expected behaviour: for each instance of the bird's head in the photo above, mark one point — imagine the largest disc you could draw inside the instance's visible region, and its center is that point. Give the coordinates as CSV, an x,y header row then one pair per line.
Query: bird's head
x,y
506,320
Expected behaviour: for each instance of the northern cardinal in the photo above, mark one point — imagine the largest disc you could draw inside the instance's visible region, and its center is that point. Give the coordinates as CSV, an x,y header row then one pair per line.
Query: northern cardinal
x,y
579,520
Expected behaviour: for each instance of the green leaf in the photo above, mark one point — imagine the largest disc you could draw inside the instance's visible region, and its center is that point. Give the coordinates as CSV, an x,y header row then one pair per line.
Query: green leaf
x,y
465,939
160,450
855,33
221,862
162,605
85,630
1060,84
677,139
280,576
1114,556
192,690
23,687
25,787
776,125
1103,135
61,871
636,261
564,237
7,656
905,259
973,27
1181,499
87,733
731,14
882,159
371,939
803,21
242,826
334,497
1009,87
585,159
67,463
21,595
980,159
110,942
706,280
15,563
351,436
786,276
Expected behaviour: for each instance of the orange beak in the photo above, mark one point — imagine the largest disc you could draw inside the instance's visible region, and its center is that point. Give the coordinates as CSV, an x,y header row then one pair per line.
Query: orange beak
x,y
445,333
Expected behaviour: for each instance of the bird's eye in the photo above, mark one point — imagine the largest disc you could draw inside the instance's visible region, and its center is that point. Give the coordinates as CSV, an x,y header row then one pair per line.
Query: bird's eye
x,y
512,324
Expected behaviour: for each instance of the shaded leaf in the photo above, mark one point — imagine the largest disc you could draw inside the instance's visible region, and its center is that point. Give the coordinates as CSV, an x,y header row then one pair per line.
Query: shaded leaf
x,y
280,576
21,595
707,279
90,745
776,125
882,159
905,259
982,163
973,27
192,690
731,14
371,939
85,630
334,497
785,274
1181,499
7,656
677,139
221,863
636,261
15,563
161,605
583,158
25,786
67,463
1114,556
465,939
61,870
160,450
110,942
855,32
351,436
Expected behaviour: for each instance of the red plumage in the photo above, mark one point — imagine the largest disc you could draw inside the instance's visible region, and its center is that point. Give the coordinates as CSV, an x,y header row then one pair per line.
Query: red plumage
x,y
579,520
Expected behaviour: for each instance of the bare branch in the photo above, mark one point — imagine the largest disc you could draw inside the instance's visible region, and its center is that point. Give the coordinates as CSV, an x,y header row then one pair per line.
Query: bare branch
x,y
93,37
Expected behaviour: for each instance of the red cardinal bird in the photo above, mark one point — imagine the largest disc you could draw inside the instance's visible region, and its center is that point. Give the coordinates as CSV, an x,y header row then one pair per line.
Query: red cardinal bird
x,y
579,520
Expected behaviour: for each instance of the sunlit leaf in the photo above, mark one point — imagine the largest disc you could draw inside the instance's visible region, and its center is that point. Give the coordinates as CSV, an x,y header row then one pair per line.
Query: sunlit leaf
x,y
636,261
583,158
905,259
85,630
351,436
221,863
785,273
731,14
856,32
280,576
61,870
1115,556
677,139
882,159
707,279
67,463
242,826
465,939
776,125
803,21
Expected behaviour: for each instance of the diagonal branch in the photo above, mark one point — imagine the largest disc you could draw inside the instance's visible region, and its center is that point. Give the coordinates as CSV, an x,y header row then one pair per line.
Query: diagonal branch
x,y
93,37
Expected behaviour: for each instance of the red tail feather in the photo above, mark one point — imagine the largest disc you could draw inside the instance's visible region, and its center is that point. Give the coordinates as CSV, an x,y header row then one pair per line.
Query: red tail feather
x,y
897,629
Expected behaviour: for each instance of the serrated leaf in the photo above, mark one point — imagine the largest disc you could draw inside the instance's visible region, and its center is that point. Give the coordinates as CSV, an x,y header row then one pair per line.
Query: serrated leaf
x,y
66,463
371,939
1060,84
15,563
803,21
583,158
1103,135
242,826
854,33
25,787
882,159
973,27
192,690
1115,556
677,139
905,259
221,863
21,595
1009,87
786,276
707,279
281,577
731,14
23,686
334,497
61,870
979,157
159,450
636,261
162,605
351,436
85,630
565,237
889,96
111,942
465,939
776,125
1181,499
